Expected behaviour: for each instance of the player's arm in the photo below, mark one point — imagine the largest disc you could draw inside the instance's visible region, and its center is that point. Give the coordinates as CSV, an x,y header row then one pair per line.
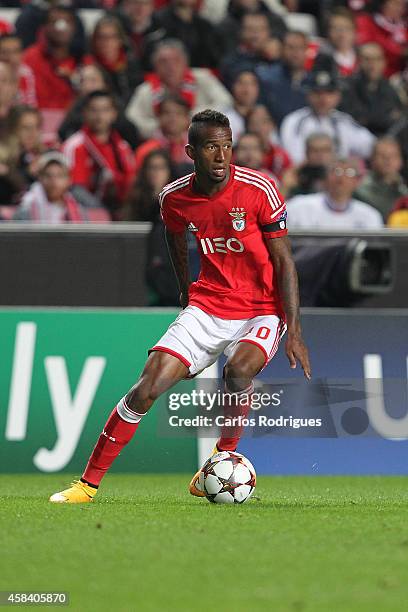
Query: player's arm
x,y
178,251
284,266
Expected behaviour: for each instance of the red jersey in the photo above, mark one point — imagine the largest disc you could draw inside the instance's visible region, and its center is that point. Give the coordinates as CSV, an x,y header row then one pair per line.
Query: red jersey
x,y
53,78
97,165
237,279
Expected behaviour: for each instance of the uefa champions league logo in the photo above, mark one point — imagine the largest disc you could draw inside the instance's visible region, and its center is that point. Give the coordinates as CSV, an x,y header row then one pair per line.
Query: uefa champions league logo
x,y
238,219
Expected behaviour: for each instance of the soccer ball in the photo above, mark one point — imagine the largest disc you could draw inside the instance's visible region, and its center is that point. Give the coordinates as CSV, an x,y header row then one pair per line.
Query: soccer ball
x,y
227,478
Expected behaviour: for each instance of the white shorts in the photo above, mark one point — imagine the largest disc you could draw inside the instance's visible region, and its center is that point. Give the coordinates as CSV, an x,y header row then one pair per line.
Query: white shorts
x,y
198,338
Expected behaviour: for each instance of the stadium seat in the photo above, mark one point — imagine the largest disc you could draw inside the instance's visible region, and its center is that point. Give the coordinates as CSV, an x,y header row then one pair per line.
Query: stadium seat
x,y
7,212
98,215
301,21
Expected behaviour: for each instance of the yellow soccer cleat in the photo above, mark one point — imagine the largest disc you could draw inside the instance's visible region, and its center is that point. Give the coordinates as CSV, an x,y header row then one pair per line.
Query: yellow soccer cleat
x,y
194,487
78,493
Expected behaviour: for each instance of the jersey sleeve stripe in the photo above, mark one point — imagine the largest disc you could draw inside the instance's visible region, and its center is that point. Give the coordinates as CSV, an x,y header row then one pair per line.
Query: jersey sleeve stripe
x,y
265,182
182,179
168,190
264,189
259,180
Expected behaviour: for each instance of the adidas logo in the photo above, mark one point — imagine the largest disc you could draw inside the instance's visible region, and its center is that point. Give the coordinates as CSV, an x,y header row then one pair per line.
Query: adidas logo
x,y
192,228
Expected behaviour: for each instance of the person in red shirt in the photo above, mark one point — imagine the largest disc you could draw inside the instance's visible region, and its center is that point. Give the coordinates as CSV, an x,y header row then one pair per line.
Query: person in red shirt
x,y
11,52
52,62
387,26
174,119
101,160
243,300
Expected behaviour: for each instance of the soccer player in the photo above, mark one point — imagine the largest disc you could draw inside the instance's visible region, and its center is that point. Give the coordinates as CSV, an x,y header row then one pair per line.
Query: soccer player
x,y
245,297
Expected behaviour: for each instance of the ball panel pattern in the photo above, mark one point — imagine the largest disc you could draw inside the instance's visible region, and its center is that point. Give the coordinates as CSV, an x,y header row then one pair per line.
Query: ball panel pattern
x,y
227,478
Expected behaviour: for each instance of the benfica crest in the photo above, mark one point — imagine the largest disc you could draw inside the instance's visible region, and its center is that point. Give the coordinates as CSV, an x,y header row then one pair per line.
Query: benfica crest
x,y
238,219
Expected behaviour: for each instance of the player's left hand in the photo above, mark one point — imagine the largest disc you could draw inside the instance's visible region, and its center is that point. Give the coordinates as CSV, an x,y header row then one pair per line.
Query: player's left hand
x,y
296,351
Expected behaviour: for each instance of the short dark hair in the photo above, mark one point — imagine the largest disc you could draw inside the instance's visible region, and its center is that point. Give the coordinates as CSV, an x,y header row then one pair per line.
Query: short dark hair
x,y
176,99
99,93
59,7
18,111
206,118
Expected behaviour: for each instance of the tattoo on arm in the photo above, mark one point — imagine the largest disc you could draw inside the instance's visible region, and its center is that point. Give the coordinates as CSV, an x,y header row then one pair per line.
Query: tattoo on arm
x,y
284,266
178,251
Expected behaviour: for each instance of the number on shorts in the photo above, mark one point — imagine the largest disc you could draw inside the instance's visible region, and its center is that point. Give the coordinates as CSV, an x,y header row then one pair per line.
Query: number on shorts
x,y
263,333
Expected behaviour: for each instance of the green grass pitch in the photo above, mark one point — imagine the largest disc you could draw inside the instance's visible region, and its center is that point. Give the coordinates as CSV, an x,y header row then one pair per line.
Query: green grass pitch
x,y
305,544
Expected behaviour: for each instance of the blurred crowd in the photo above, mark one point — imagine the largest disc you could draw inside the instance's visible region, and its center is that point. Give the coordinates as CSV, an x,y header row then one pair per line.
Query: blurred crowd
x,y
93,123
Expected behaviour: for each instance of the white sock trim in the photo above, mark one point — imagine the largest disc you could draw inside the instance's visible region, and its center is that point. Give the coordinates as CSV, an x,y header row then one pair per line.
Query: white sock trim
x,y
248,391
126,413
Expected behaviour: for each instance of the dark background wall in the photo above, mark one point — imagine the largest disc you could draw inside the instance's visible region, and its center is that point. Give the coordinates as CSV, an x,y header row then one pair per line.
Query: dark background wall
x,y
105,265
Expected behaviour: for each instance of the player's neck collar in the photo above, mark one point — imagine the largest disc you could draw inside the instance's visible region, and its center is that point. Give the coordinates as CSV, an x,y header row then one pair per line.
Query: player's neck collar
x,y
217,193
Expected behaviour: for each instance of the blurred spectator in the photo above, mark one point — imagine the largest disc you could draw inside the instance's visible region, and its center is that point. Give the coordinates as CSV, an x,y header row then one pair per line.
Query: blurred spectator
x,y
174,119
10,180
49,199
350,137
276,160
341,39
245,93
383,185
25,125
100,160
33,17
257,48
54,65
334,208
172,74
156,171
386,25
398,218
138,17
8,95
368,96
11,52
92,78
181,20
109,48
229,28
282,83
399,81
400,132
248,152
310,177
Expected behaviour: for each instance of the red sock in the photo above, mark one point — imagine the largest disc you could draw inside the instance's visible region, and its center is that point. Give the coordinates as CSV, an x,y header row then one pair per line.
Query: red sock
x,y
115,435
230,436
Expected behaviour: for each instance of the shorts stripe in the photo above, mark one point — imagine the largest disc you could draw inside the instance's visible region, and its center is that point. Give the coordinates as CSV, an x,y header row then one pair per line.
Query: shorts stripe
x,y
279,335
258,345
164,349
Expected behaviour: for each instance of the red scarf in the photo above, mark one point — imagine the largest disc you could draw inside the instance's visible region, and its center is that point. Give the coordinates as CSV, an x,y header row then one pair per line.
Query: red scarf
x,y
187,90
396,29
117,65
121,173
73,211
